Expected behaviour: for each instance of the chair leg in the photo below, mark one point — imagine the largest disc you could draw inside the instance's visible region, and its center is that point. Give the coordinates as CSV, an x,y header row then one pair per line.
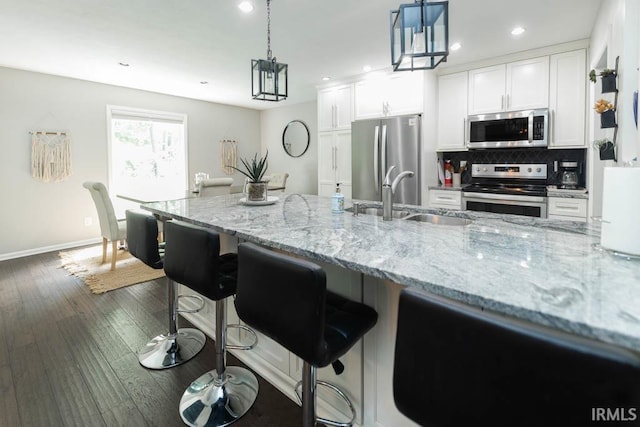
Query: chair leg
x,y
114,254
308,395
104,250
223,395
309,386
176,347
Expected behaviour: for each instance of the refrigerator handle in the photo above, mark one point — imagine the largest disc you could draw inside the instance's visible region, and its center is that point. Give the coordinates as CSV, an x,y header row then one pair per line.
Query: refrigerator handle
x,y
376,149
384,150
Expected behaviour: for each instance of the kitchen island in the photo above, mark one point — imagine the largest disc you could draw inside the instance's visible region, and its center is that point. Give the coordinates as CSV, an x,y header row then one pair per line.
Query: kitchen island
x,y
546,272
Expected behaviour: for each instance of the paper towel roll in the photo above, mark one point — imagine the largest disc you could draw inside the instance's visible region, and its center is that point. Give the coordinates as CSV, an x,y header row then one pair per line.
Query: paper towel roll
x,y
621,210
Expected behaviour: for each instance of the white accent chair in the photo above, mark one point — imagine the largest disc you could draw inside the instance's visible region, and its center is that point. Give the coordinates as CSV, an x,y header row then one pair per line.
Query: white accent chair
x,y
215,186
112,229
277,181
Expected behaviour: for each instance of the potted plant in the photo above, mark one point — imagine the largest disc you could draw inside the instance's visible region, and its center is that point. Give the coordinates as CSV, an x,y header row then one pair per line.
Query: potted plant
x,y
607,113
606,148
608,79
254,171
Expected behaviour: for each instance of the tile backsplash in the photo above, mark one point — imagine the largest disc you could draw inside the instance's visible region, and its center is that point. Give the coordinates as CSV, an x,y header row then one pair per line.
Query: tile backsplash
x,y
518,155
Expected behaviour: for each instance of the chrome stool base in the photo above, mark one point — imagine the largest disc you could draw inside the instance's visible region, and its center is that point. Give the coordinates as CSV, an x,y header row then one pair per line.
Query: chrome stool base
x,y
209,402
162,352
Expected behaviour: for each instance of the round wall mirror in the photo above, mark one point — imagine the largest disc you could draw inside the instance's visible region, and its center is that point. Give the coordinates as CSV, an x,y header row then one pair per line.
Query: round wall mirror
x,y
295,138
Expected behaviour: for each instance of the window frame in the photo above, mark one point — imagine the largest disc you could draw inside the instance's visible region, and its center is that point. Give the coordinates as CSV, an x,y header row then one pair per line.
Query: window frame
x,y
148,114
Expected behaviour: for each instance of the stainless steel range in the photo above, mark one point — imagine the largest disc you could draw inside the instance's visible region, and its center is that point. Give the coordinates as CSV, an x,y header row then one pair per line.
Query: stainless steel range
x,y
517,189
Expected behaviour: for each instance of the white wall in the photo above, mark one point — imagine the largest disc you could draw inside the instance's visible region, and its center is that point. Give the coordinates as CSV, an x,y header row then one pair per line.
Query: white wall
x,y
303,171
36,216
615,33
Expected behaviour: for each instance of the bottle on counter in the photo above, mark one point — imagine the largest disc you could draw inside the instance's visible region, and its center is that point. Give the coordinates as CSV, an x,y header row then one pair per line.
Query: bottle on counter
x,y
448,173
337,200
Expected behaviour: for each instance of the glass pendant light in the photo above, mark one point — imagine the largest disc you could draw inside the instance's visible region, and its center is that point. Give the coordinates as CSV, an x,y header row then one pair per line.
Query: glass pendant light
x,y
269,81
419,35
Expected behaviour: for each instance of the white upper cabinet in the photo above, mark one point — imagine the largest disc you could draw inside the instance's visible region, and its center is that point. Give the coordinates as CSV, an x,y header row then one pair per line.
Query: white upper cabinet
x,y
527,84
452,111
518,85
486,89
567,91
390,95
335,108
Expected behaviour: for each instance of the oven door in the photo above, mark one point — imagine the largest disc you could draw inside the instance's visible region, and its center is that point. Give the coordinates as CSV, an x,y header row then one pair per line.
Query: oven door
x,y
533,206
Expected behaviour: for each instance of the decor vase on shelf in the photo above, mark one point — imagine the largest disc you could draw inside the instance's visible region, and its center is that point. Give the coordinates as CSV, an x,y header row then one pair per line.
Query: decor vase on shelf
x,y
606,149
608,78
608,119
607,113
255,169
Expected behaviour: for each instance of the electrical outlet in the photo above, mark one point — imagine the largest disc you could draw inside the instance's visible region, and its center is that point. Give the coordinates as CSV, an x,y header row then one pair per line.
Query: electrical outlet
x,y
88,221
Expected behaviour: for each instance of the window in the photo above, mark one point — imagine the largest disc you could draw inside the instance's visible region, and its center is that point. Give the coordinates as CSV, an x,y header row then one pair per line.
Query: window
x,y
147,152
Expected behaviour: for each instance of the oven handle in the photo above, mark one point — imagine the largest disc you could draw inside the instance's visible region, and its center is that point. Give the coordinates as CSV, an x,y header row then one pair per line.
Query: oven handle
x,y
509,197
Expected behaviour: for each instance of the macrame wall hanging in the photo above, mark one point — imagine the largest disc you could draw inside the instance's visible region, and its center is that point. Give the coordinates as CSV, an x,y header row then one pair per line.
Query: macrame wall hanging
x,y
50,156
229,155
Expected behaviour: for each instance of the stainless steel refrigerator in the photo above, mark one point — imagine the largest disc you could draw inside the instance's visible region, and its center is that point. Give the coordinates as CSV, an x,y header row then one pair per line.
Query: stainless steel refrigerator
x,y
379,144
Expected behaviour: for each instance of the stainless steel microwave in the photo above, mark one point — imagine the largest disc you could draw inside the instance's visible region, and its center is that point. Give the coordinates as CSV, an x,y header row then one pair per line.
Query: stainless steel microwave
x,y
513,129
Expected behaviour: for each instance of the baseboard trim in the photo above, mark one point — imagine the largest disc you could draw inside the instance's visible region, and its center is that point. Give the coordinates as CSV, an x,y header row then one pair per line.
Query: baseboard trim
x,y
52,248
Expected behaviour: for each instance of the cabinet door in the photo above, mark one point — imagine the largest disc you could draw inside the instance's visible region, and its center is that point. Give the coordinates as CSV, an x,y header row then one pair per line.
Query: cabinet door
x,y
343,157
370,96
567,91
487,89
326,109
326,159
527,84
343,107
452,111
404,93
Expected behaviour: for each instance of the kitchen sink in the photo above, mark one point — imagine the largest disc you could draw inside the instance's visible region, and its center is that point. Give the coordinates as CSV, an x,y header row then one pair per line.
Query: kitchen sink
x,y
396,213
438,219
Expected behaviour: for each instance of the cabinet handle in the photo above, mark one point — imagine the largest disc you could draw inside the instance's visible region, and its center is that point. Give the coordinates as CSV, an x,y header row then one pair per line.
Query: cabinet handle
x,y
464,130
553,126
333,158
502,102
333,116
336,158
567,207
508,102
336,114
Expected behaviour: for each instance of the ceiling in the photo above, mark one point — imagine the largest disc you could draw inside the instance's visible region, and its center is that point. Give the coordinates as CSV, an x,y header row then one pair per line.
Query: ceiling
x,y
173,45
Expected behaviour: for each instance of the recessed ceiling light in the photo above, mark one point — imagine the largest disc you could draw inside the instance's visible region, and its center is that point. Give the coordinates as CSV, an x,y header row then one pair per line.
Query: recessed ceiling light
x,y
366,68
245,6
455,46
324,79
124,64
204,82
517,31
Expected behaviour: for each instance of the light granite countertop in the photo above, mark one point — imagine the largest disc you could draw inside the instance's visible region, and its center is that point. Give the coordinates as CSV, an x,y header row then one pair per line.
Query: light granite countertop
x,y
545,271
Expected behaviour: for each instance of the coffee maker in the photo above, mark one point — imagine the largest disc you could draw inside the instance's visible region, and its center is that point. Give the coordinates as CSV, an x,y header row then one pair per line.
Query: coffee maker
x,y
569,177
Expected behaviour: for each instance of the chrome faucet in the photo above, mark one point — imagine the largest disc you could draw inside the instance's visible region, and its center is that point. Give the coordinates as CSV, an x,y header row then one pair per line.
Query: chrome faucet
x,y
389,190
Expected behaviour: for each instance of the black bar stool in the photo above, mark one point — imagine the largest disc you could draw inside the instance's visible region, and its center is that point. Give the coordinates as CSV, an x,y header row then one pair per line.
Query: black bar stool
x,y
286,299
457,365
192,258
178,345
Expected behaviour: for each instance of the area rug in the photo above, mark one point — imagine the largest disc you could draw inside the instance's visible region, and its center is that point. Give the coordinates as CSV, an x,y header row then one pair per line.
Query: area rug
x,y
86,264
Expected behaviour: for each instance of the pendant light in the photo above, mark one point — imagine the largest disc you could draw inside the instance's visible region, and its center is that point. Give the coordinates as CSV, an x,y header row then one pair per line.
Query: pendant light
x,y
419,35
269,80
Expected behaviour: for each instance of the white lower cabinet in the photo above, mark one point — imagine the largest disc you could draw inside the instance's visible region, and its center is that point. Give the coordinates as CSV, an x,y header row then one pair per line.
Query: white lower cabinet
x,y
568,209
445,199
379,347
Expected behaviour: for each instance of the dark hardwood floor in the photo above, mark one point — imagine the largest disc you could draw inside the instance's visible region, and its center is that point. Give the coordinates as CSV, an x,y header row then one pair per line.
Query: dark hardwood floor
x,y
68,357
